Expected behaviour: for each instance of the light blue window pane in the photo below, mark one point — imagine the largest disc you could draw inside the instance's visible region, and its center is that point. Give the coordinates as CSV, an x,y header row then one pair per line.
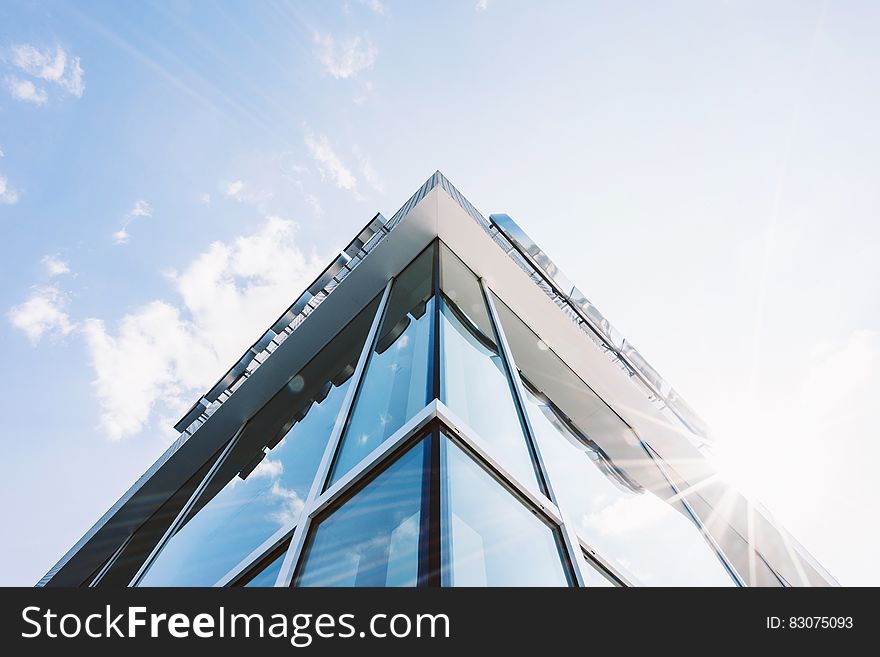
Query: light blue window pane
x,y
474,382
475,387
269,574
248,511
652,541
491,537
395,385
373,538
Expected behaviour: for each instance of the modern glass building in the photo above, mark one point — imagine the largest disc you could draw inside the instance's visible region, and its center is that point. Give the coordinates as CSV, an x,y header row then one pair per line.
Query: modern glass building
x,y
441,407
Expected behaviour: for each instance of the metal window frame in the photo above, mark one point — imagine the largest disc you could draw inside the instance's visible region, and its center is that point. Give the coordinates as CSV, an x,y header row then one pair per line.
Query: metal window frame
x,y
435,413
297,543
244,568
572,547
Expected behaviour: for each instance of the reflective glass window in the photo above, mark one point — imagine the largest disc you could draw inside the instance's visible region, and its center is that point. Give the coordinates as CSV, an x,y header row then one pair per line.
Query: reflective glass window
x,y
372,539
620,502
491,538
264,481
474,383
267,576
395,384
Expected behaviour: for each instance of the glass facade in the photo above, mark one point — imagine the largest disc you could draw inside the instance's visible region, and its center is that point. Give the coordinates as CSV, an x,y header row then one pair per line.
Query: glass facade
x,y
447,505
646,533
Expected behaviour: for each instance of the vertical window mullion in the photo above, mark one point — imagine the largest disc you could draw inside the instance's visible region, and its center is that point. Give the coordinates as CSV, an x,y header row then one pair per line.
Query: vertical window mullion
x,y
297,543
570,541
431,507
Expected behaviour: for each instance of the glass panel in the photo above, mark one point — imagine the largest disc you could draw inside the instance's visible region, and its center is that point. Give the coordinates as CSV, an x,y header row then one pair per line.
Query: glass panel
x,y
491,537
373,538
604,479
269,574
395,385
263,483
474,383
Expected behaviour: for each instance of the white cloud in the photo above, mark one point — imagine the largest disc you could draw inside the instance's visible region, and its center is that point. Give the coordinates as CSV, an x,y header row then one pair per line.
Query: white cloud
x,y
374,5
292,504
57,67
345,59
140,209
26,91
2,154
165,353
8,195
233,189
55,266
369,173
45,310
482,5
267,468
205,199
244,192
313,201
329,163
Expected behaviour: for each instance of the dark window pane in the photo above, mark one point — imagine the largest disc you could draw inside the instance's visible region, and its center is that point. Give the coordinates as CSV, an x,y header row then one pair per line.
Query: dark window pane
x,y
474,383
373,538
264,481
395,385
269,574
491,537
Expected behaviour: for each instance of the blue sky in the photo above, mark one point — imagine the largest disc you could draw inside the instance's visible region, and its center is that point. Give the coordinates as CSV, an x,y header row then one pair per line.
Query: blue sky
x,y
173,174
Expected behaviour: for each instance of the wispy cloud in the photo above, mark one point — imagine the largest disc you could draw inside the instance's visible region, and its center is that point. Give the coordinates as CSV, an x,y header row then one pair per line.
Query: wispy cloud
x,y
45,310
291,507
482,5
345,59
374,5
367,171
244,192
164,352
55,266
233,189
315,204
53,66
329,163
364,93
140,209
26,91
205,199
8,196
